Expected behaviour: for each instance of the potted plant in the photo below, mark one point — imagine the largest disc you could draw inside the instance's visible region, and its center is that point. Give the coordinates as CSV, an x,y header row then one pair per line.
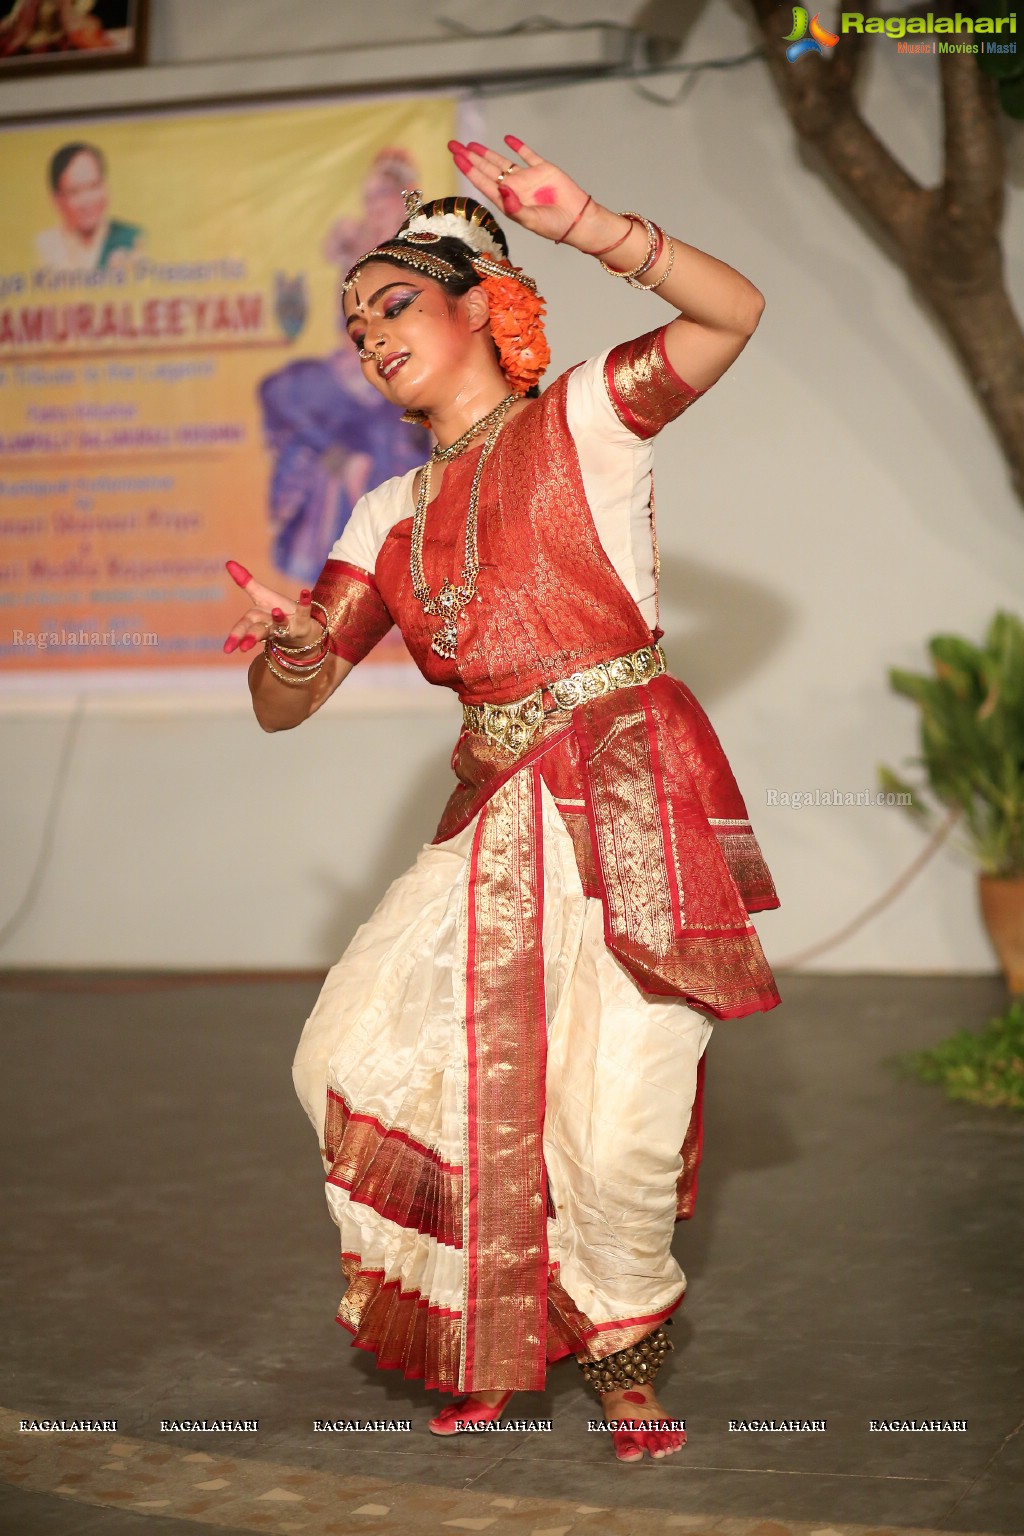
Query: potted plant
x,y
972,756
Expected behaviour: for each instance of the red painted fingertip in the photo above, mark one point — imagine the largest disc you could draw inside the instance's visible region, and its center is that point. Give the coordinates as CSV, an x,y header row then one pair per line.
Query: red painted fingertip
x,y
454,144
463,162
277,613
230,644
237,572
478,149
516,144
304,596
510,202
247,643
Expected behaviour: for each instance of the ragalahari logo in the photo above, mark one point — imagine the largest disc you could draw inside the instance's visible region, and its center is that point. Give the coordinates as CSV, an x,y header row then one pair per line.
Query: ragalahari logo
x,y
798,40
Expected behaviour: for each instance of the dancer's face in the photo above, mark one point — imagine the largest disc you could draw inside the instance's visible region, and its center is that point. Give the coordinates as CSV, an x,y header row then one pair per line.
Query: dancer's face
x,y
421,338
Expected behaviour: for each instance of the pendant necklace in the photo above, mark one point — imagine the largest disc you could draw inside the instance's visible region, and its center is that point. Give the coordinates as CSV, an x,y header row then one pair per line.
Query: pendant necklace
x,y
450,601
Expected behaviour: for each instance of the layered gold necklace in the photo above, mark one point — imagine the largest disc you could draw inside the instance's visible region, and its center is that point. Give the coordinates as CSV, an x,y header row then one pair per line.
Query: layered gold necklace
x,y
450,600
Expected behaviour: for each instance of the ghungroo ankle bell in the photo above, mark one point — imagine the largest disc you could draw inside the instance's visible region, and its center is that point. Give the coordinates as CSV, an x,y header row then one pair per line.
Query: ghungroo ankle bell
x,y
630,1367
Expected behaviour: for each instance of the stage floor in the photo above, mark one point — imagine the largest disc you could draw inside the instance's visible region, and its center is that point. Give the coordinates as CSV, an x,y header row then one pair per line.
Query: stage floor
x,y
855,1256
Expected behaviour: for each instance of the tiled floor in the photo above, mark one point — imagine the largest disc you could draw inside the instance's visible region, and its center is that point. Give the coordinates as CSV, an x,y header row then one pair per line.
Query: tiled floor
x,y
855,1256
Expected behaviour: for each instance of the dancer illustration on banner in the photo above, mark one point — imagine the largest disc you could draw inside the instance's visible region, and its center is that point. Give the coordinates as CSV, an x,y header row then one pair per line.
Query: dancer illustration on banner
x,y
331,435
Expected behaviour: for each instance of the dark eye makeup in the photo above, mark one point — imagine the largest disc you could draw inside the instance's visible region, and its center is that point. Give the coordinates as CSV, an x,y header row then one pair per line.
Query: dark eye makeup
x,y
396,306
392,308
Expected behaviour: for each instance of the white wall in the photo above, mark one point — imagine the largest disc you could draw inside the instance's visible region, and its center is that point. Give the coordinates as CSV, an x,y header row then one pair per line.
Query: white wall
x,y
834,500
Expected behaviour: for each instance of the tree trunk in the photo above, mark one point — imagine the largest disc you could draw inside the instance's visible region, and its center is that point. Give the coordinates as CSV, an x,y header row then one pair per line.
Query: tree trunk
x,y
947,237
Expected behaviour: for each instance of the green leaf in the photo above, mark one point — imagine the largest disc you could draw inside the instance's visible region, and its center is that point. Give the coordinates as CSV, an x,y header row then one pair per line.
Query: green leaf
x,y
960,666
913,685
959,654
1001,66
891,783
971,733
979,1067
1011,97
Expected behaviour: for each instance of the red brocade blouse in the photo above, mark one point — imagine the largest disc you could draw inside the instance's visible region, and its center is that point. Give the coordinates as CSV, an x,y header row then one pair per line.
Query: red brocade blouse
x,y
660,830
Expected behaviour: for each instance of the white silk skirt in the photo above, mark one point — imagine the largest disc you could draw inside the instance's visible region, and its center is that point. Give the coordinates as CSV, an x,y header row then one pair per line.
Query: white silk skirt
x,y
501,1112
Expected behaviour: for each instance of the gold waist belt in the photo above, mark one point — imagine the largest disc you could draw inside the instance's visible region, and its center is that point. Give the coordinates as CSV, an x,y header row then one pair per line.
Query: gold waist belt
x,y
514,726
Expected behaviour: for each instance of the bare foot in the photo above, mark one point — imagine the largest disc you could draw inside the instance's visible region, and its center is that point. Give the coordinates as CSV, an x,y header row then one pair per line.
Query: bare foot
x,y
474,1408
639,1405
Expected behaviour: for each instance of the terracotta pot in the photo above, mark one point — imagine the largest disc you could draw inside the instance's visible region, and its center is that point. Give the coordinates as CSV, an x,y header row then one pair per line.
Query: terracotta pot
x,y
1002,907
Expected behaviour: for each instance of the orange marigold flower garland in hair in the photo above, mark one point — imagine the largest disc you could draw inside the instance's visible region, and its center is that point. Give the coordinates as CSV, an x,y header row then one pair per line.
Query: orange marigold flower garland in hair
x,y
518,329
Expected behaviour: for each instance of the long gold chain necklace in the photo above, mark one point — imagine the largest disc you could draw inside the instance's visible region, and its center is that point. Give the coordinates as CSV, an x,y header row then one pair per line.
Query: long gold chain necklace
x,y
450,601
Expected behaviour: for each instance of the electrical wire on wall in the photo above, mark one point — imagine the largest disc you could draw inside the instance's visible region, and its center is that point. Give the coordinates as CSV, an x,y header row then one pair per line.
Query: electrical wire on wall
x,y
856,923
636,70
44,857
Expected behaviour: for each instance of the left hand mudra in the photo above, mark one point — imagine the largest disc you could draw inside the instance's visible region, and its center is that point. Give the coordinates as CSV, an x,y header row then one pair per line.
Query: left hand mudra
x,y
537,194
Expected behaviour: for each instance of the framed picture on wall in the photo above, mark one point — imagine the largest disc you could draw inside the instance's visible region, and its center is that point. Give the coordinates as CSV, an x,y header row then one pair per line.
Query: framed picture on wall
x,y
44,36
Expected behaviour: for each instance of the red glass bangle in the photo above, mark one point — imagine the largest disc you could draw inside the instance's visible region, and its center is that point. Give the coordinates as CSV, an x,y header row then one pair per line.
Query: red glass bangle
x,y
617,243
575,221
311,659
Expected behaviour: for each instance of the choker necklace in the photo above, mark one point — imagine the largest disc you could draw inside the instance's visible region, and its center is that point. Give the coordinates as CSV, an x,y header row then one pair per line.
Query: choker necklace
x,y
442,455
450,601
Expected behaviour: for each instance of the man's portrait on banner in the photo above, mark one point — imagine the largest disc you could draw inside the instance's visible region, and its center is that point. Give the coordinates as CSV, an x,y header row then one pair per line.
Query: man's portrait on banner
x,y
86,237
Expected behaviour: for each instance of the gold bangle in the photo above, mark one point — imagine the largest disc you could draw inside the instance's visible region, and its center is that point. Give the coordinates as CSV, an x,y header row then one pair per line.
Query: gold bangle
x,y
299,680
300,649
295,672
299,674
299,668
650,287
323,645
652,246
286,652
295,650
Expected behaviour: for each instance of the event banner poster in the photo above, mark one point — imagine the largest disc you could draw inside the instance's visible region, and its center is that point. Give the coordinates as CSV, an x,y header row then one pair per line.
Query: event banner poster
x,y
175,387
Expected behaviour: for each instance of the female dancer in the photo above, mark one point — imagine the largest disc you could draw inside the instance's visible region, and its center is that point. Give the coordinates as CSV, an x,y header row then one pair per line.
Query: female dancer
x,y
505,1066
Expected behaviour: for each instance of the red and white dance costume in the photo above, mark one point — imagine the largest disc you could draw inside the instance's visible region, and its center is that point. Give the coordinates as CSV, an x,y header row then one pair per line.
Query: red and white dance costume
x,y
505,1067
